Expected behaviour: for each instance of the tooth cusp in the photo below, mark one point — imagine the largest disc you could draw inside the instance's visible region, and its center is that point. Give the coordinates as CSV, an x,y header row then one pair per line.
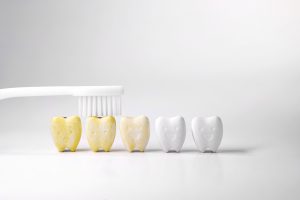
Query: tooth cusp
x,y
135,132
66,132
101,132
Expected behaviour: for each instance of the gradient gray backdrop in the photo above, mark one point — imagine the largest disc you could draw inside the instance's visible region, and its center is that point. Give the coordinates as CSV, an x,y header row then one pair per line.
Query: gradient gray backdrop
x,y
234,58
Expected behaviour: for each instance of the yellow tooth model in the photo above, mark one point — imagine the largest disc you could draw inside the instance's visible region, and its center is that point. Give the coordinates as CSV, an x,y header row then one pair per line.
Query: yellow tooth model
x,y
66,132
135,132
101,132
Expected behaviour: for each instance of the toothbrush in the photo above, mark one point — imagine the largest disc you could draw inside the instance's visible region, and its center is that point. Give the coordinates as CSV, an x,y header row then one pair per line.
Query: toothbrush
x,y
92,100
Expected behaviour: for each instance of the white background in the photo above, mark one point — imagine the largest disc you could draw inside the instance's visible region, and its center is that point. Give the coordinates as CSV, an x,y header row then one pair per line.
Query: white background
x,y
237,59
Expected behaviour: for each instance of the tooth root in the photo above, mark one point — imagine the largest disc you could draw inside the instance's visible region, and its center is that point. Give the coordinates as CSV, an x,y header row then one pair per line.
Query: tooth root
x,y
130,145
135,132
207,133
128,141
171,132
66,132
101,132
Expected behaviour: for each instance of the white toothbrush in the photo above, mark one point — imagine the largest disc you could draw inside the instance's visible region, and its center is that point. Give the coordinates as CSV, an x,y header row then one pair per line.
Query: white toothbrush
x,y
92,100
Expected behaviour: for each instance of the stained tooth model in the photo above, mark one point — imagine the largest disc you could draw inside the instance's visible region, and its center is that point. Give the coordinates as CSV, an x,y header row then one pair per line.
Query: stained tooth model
x,y
66,132
101,132
207,133
171,132
135,132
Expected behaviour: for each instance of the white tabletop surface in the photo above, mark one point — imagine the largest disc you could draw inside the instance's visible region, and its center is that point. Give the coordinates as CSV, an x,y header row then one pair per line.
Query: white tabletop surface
x,y
264,168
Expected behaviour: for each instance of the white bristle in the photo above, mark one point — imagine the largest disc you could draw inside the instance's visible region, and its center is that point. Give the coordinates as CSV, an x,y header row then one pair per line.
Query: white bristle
x,y
120,105
80,105
99,105
94,107
83,106
117,104
104,106
109,105
89,105
113,107
99,100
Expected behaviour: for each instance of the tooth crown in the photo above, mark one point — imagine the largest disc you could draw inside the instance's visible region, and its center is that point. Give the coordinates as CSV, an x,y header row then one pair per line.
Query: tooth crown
x,y
101,132
207,132
135,132
171,132
66,132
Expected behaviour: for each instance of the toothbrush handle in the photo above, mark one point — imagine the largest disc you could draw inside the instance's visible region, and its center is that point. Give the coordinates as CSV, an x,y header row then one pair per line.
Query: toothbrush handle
x,y
35,91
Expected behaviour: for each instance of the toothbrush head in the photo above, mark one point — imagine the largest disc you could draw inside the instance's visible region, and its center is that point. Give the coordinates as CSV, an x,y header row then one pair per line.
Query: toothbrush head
x,y
99,100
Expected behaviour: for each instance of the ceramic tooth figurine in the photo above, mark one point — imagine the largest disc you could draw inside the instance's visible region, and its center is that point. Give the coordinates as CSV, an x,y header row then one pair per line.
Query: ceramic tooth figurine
x,y
135,132
207,133
171,132
66,132
101,132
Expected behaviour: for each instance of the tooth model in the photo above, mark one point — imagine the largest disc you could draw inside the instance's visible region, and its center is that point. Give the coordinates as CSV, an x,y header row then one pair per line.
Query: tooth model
x,y
171,132
66,132
101,132
135,132
207,133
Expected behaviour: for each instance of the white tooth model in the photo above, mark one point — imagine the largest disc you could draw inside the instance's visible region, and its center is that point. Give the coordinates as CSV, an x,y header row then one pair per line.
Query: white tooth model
x,y
171,132
135,132
207,133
